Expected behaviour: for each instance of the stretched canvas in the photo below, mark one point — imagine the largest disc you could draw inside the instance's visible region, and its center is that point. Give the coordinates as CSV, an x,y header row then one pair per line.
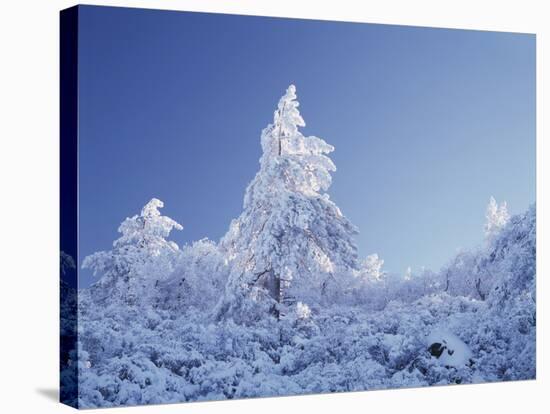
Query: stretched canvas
x,y
210,247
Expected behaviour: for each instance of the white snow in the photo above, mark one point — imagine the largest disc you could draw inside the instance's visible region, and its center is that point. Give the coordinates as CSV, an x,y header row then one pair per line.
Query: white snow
x,y
455,352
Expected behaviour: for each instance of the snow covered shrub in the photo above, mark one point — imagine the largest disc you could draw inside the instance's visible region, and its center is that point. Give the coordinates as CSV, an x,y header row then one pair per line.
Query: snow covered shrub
x,y
511,256
197,281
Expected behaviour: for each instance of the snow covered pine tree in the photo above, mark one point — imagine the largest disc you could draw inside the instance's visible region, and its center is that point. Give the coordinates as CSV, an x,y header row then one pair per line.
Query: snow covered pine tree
x,y
290,240
138,256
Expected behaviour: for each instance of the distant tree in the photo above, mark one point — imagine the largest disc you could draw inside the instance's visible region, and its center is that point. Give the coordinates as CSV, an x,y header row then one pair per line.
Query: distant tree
x,y
408,273
139,256
291,240
497,217
371,267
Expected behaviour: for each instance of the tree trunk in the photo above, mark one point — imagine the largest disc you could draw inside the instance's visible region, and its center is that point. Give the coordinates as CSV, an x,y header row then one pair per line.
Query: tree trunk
x,y
273,286
280,130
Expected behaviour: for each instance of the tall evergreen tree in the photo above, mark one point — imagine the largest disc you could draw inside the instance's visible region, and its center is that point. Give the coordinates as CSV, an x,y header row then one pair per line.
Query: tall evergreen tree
x,y
291,241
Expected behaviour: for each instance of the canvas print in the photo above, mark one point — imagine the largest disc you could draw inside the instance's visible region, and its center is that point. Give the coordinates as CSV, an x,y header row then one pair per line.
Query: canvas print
x,y
260,207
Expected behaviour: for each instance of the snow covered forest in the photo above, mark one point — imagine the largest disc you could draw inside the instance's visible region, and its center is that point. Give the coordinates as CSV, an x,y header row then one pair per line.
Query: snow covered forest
x,y
284,303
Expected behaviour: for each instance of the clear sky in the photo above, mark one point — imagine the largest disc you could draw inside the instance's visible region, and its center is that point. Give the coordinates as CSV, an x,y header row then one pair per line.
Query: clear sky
x,y
427,123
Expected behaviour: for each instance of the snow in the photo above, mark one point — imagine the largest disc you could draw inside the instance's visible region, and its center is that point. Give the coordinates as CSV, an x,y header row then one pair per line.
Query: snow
x,y
455,352
283,305
302,310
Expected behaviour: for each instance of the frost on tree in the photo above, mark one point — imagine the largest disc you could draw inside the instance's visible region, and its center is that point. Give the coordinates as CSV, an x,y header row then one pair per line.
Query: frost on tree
x,y
497,217
197,280
291,241
371,269
137,257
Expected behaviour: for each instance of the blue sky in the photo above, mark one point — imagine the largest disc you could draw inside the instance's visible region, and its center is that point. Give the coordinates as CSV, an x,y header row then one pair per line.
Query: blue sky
x,y
427,123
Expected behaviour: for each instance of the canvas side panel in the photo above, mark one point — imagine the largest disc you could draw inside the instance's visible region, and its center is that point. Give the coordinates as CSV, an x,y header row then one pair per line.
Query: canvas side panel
x,y
68,206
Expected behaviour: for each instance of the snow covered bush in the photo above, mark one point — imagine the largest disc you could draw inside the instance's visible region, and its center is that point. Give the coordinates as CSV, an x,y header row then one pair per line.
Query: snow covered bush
x,y
197,281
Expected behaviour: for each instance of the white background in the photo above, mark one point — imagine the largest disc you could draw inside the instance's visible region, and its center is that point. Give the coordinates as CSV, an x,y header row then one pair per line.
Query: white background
x,y
29,194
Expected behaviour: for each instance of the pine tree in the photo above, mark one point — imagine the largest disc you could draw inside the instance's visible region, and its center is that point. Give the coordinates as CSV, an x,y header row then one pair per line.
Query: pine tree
x,y
291,241
141,254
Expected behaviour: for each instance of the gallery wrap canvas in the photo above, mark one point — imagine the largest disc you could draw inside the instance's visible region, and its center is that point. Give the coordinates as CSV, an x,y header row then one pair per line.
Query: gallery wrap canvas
x,y
259,207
